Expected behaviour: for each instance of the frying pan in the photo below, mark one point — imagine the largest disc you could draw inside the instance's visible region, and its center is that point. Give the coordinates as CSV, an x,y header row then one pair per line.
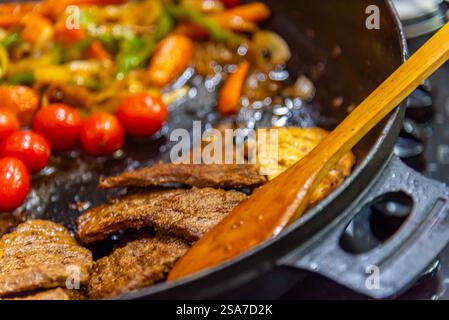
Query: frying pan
x,y
317,242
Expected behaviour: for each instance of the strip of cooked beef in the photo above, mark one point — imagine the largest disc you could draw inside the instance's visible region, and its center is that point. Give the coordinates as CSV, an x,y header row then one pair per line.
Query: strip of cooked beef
x,y
137,264
201,176
55,294
40,254
188,214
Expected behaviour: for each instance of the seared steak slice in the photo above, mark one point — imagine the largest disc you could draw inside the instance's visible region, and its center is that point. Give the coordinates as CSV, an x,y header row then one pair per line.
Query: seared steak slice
x,y
38,255
138,264
200,176
188,214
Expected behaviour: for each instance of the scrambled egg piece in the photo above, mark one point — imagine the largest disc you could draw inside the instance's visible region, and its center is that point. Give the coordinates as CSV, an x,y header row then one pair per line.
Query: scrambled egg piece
x,y
293,145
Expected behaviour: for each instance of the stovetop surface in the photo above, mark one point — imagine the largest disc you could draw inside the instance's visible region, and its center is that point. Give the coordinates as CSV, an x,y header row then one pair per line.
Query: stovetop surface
x,y
424,146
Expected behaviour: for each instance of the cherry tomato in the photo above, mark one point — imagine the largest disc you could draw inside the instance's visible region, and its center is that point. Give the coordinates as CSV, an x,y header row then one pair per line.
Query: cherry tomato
x,y
60,125
230,3
20,100
102,134
142,115
29,147
8,123
14,183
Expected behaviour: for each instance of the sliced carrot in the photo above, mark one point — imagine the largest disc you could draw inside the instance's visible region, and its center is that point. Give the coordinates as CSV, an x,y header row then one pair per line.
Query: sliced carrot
x,y
191,30
230,93
16,8
95,2
68,36
244,17
97,51
171,58
54,8
8,21
36,28
20,100
254,12
235,23
11,14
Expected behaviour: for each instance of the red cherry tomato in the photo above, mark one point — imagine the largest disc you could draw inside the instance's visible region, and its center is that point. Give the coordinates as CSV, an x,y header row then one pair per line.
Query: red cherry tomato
x,y
230,3
142,115
29,147
60,125
102,134
8,123
14,183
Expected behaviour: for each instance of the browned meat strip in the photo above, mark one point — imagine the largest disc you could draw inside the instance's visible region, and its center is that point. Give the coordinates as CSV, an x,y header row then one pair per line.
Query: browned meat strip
x,y
38,255
201,176
138,264
55,294
188,214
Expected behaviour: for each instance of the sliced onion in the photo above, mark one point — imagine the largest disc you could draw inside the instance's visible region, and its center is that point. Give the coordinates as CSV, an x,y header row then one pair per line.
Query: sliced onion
x,y
277,49
303,88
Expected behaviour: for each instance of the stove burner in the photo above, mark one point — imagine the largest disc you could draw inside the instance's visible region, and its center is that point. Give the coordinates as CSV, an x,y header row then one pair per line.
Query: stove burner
x,y
423,144
412,140
420,17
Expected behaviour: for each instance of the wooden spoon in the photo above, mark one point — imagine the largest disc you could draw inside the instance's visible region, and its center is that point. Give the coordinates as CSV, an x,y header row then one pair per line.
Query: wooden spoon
x,y
272,207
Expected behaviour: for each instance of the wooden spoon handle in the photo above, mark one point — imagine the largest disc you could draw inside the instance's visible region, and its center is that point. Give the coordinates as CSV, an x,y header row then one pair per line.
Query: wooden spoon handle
x,y
270,209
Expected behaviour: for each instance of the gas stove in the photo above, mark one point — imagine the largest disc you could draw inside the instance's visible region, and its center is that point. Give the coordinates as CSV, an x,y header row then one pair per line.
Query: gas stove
x,y
423,144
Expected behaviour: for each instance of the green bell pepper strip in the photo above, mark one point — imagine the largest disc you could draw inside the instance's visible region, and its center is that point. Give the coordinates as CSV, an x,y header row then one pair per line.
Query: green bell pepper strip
x,y
217,33
130,54
75,51
109,42
87,21
137,50
165,25
22,78
6,43
10,40
29,78
107,39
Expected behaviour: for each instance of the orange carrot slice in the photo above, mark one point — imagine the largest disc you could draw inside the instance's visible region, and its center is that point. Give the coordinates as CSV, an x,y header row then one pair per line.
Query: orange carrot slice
x,y
171,58
68,36
11,14
230,93
20,100
97,51
54,8
191,30
244,17
36,28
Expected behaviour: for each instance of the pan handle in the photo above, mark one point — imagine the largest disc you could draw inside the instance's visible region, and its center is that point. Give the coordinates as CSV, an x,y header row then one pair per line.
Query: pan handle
x,y
392,266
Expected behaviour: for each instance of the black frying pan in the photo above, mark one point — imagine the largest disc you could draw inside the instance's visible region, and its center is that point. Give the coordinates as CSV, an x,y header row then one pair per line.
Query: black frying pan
x,y
315,242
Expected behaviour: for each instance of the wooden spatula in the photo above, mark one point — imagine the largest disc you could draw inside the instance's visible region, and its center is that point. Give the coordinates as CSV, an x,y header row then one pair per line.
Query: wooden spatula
x,y
272,207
